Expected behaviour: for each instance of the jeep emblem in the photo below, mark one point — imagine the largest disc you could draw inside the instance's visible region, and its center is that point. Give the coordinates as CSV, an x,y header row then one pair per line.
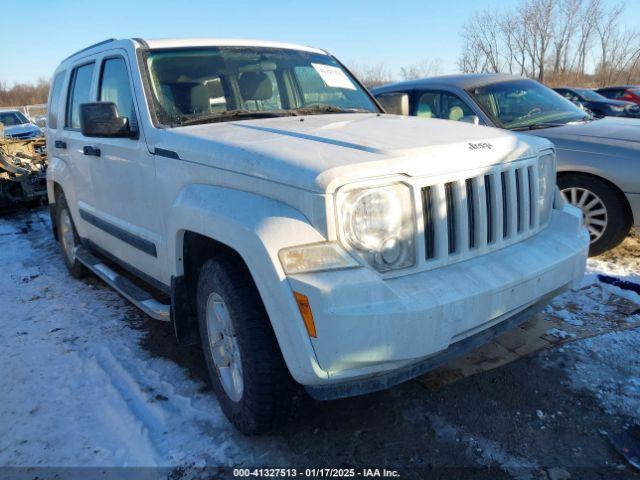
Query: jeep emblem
x,y
478,146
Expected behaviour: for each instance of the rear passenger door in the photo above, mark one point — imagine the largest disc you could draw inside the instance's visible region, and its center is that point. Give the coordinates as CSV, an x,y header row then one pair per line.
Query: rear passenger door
x,y
125,215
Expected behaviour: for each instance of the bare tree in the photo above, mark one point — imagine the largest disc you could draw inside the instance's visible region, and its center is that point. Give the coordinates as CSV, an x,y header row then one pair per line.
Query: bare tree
x,y
426,68
482,34
371,75
24,94
553,41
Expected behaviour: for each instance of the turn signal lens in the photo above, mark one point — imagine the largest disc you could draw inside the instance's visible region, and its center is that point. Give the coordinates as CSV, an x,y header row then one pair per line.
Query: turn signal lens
x,y
315,257
307,314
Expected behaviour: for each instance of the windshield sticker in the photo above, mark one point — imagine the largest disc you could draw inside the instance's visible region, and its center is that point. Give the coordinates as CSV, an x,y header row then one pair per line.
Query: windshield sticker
x,y
333,76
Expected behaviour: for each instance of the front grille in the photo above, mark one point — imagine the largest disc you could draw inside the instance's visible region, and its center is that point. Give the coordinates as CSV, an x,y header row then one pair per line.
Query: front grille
x,y
23,136
477,214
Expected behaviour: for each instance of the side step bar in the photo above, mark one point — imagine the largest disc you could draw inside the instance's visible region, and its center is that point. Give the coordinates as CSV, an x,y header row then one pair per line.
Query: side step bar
x,y
125,287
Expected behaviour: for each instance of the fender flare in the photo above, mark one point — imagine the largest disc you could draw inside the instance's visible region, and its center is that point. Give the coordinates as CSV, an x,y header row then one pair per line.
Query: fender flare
x,y
257,228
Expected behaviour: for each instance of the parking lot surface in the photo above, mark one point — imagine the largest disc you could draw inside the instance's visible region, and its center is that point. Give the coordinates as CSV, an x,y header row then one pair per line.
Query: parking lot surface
x,y
88,380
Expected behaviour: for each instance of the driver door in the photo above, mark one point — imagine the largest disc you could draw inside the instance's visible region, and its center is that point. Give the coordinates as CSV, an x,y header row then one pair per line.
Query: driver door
x,y
128,225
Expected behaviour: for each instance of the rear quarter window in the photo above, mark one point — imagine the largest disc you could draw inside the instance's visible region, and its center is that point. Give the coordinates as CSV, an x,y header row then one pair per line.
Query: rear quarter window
x,y
54,100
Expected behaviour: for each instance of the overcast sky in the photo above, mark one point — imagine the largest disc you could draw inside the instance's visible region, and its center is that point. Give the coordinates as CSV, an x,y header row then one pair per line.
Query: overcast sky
x,y
37,34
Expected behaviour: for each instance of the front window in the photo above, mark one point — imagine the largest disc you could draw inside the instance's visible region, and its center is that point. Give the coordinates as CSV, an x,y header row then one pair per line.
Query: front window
x,y
190,86
10,119
525,104
115,87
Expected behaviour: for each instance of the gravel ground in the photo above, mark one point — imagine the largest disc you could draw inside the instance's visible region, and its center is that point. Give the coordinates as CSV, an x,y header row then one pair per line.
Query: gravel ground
x,y
87,380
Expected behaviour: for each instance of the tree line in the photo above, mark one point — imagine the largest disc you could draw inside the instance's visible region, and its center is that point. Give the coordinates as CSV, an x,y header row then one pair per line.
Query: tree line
x,y
580,42
555,41
24,93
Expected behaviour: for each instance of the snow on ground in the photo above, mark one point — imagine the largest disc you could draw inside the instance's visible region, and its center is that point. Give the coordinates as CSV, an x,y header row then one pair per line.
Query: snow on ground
x,y
75,386
77,389
607,365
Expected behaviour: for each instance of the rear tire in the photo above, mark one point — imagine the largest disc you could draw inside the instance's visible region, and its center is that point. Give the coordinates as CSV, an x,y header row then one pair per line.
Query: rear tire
x,y
245,364
68,237
606,229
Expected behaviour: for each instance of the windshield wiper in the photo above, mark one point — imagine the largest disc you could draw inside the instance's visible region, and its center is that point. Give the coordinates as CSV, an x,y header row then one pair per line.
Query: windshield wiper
x,y
320,108
536,126
229,115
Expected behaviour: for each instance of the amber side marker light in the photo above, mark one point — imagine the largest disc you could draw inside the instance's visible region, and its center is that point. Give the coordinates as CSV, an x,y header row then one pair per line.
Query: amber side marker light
x,y
307,314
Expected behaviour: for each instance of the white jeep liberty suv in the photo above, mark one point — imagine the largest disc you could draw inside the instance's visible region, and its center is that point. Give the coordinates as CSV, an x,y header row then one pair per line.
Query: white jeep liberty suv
x,y
255,195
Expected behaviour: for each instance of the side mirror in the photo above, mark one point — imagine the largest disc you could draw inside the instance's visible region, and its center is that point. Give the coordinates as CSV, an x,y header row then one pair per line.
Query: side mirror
x,y
101,119
395,103
471,119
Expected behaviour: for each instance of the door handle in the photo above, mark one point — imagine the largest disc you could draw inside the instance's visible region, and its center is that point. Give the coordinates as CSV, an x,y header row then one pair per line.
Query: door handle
x,y
91,151
60,144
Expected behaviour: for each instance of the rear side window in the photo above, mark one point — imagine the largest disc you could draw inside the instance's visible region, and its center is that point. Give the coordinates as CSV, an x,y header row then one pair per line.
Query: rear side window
x,y
54,102
79,93
428,105
115,86
442,105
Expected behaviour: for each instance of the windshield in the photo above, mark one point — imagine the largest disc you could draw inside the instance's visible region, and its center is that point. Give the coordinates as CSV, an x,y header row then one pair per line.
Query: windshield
x,y
190,86
9,119
522,104
590,95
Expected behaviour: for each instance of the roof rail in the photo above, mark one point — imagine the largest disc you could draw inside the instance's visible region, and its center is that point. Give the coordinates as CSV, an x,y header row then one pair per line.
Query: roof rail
x,y
109,40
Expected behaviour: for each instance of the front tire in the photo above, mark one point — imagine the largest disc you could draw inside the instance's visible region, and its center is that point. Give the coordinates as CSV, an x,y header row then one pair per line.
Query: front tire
x,y
605,211
247,371
68,238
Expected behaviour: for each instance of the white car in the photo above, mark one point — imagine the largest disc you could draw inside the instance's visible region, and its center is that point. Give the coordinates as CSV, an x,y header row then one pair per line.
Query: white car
x,y
265,203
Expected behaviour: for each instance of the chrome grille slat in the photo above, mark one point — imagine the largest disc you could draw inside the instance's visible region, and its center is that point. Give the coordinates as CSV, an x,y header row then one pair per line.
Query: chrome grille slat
x,y
428,215
512,203
470,209
462,216
533,182
440,221
467,216
481,211
449,192
525,207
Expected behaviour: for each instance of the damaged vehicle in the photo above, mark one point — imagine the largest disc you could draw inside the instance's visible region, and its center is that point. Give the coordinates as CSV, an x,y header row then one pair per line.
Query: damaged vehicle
x,y
23,165
255,195
18,126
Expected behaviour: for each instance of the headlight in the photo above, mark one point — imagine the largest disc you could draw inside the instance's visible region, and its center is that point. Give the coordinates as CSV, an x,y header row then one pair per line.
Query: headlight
x,y
546,185
379,223
617,108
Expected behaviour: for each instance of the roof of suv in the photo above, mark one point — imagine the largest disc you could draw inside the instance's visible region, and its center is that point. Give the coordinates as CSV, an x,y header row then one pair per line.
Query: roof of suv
x,y
189,42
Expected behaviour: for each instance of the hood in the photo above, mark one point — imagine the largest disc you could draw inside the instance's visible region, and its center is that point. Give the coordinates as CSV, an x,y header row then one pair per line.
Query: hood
x,y
608,131
321,152
25,130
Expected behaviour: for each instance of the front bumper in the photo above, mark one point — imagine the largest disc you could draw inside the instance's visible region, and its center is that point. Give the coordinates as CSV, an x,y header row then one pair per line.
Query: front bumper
x,y
368,327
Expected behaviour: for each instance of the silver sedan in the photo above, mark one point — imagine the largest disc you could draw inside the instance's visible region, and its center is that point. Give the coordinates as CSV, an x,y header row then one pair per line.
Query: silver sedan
x,y
598,159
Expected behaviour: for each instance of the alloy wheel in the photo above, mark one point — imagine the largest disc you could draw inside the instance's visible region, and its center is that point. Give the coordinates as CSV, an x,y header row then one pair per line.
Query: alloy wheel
x,y
593,209
67,237
224,347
